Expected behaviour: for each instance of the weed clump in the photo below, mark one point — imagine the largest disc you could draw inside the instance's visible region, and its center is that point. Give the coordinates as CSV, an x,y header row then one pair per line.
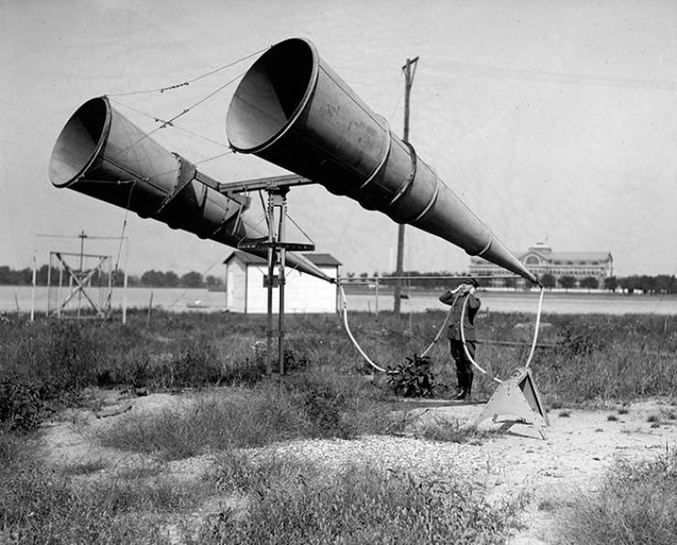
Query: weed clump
x,y
635,504
361,504
39,505
310,405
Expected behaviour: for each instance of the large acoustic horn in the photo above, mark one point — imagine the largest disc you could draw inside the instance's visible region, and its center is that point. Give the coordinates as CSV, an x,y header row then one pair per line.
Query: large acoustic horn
x,y
292,109
102,154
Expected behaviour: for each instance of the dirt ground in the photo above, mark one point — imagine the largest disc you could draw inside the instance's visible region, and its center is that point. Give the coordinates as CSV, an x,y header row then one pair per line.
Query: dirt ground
x,y
578,448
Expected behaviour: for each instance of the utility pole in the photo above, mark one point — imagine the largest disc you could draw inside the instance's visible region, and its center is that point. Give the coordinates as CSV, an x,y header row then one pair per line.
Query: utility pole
x,y
409,70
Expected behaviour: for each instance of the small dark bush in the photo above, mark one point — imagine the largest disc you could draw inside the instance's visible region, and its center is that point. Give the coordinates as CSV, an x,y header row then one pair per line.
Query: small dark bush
x,y
244,373
71,353
20,405
292,362
413,378
195,365
324,403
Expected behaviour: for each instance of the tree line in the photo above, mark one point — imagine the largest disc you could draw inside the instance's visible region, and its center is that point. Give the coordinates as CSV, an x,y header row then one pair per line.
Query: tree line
x,y
151,279
661,283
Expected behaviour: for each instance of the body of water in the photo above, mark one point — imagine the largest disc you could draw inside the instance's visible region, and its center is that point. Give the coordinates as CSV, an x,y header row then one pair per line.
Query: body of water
x,y
553,303
202,300
171,299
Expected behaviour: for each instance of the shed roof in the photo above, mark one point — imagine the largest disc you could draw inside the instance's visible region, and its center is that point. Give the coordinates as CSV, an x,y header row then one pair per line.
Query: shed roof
x,y
326,260
321,260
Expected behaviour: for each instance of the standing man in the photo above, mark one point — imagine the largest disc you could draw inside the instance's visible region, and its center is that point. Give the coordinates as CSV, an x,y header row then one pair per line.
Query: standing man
x,y
464,373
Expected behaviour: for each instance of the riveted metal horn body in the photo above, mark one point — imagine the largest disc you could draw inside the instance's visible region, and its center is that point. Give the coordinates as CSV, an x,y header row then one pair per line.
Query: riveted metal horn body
x,y
293,110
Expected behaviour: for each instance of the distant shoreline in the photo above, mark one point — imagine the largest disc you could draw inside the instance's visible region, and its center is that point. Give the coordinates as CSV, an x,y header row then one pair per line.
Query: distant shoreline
x,y
368,300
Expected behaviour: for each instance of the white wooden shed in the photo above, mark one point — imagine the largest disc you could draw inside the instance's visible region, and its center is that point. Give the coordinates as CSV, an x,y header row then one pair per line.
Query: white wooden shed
x,y
246,291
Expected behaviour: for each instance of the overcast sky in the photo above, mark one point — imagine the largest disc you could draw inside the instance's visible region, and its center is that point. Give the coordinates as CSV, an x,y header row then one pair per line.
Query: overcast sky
x,y
553,120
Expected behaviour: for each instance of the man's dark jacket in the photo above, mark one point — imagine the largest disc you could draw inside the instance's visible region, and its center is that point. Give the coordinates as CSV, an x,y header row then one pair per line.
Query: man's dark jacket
x,y
470,311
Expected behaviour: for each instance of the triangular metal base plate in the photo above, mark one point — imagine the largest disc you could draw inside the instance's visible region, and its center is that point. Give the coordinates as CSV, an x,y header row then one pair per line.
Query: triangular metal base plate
x,y
517,397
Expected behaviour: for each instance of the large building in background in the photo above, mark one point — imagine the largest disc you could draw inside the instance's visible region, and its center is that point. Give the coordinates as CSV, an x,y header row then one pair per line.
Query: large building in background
x,y
541,259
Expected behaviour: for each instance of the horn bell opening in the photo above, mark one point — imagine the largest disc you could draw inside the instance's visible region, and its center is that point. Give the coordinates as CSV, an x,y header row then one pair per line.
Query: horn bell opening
x,y
272,95
79,142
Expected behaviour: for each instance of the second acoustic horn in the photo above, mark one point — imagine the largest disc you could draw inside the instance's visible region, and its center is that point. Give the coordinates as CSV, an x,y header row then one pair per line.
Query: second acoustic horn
x,y
293,110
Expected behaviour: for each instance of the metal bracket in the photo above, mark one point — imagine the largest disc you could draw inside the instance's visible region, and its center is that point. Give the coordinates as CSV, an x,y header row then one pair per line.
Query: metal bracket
x,y
271,184
247,245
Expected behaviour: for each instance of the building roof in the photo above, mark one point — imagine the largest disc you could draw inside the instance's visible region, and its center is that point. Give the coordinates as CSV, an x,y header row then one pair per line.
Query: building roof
x,y
569,256
557,257
321,260
246,258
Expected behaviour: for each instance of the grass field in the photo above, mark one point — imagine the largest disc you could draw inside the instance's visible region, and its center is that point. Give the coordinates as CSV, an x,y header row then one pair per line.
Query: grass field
x,y
48,366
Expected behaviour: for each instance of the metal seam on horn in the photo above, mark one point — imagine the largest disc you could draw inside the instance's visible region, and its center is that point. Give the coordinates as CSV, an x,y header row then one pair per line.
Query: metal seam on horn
x,y
380,166
226,219
430,204
412,174
491,239
182,185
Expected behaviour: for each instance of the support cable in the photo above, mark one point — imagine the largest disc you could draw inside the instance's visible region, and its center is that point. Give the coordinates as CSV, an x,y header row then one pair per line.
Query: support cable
x,y
189,81
166,122
170,122
124,226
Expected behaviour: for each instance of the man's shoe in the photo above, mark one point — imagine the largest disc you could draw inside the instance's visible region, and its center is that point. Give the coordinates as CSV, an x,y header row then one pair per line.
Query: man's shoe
x,y
460,395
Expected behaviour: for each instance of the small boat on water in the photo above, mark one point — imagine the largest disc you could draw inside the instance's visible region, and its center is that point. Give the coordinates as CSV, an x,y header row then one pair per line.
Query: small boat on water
x,y
197,304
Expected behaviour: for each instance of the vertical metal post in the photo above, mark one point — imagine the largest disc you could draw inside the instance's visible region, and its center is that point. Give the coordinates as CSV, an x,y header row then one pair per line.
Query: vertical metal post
x,y
58,301
81,275
49,285
281,282
376,298
33,290
109,297
271,272
124,284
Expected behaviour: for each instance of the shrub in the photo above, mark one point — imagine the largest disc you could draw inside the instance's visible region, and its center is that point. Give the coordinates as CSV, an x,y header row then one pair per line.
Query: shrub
x,y
323,402
413,378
